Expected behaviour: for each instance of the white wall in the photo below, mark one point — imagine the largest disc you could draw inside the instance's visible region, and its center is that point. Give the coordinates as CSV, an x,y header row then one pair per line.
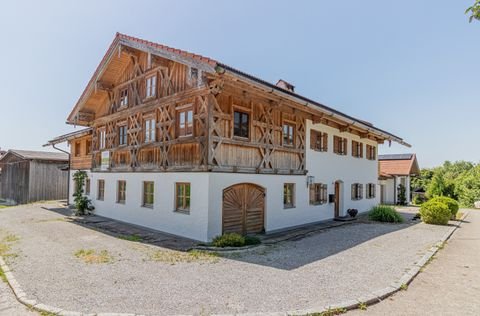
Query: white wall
x,y
162,216
328,167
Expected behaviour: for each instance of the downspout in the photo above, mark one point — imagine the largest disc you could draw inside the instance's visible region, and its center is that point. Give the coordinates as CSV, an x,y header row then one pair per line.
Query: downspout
x,y
69,164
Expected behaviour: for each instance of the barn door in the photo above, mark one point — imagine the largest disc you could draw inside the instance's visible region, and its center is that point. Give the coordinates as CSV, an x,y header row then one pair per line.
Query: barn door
x,y
243,209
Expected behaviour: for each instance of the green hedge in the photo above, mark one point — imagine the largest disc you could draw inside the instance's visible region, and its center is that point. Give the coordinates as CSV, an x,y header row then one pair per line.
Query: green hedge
x,y
452,205
434,212
234,240
384,213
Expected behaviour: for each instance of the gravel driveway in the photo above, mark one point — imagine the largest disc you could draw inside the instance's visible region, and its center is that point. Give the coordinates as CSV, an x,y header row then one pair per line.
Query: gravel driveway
x,y
328,267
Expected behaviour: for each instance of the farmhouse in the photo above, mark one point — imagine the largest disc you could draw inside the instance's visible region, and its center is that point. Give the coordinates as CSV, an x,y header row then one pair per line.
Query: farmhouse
x,y
28,176
396,170
187,145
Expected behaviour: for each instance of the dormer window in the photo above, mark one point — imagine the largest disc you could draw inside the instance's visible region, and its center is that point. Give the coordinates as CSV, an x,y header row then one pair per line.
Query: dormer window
x,y
151,86
124,97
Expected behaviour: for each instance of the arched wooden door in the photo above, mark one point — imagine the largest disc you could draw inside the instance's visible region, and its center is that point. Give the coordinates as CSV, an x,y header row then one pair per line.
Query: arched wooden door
x,y
243,209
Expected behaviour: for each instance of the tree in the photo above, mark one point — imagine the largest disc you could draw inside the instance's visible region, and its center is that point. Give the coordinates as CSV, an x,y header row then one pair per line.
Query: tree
x,y
402,194
474,11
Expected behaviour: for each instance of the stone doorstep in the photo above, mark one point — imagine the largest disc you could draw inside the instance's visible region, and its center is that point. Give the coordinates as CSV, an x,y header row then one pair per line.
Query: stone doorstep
x,y
369,299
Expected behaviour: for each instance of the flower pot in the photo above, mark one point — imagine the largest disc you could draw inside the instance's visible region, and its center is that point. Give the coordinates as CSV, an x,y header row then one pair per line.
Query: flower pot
x,y
352,212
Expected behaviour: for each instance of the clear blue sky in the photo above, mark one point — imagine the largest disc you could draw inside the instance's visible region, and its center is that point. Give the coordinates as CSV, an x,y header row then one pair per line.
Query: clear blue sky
x,y
410,67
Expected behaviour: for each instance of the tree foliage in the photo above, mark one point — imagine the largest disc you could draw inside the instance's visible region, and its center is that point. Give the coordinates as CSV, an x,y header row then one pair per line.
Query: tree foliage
x,y
474,11
459,180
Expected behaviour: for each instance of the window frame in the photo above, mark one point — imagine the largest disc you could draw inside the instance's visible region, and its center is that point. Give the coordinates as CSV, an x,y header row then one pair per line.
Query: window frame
x,y
319,194
185,131
123,98
371,152
357,149
88,147
357,191
185,197
144,194
78,148
291,127
318,138
151,86
121,192
371,191
248,123
291,192
342,146
102,134
122,138
101,189
151,131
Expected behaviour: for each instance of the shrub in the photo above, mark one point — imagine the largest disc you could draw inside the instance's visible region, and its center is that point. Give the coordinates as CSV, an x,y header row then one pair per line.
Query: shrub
x,y
433,212
384,213
450,203
234,240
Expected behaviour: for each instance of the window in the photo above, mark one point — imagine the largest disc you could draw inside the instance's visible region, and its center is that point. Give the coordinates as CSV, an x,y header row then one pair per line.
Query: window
x,y
88,147
371,190
101,190
185,122
101,139
318,141
318,193
357,191
371,152
149,130
240,124
357,149
194,77
148,193
77,149
289,195
288,134
339,145
124,97
87,186
182,197
121,191
151,86
122,135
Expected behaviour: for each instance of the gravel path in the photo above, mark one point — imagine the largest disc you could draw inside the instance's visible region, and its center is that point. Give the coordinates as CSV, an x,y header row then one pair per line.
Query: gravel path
x,y
329,267
449,285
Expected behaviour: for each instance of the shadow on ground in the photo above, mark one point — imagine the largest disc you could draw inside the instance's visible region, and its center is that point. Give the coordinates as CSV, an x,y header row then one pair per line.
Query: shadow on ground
x,y
300,247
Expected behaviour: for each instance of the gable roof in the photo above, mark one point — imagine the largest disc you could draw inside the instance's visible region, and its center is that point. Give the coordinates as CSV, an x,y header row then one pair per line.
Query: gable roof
x,y
69,136
36,155
398,164
212,66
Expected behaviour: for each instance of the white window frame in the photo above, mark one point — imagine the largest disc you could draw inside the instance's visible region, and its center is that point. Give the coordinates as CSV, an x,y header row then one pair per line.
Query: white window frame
x,y
150,130
151,86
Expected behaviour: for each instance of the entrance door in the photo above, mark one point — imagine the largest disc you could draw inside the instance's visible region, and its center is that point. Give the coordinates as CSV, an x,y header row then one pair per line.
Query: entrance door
x,y
337,199
243,209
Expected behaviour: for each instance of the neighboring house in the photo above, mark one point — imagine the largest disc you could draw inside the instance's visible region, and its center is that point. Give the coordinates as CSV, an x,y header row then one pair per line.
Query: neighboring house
x,y
395,170
190,146
28,176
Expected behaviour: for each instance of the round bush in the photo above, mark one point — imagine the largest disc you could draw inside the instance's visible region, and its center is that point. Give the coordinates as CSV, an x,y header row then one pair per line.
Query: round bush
x,y
450,203
436,213
384,213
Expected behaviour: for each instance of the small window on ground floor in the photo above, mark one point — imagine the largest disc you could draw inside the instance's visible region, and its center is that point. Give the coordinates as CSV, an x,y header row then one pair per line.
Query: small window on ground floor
x,y
371,190
182,197
101,190
357,191
289,195
148,190
318,193
121,191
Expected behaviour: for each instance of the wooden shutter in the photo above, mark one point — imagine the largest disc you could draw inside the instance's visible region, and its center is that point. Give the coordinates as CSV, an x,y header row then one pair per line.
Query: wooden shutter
x,y
353,191
335,144
313,139
324,142
344,146
360,191
312,193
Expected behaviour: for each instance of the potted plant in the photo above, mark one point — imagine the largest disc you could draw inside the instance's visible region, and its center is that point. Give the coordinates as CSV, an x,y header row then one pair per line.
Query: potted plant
x,y
352,212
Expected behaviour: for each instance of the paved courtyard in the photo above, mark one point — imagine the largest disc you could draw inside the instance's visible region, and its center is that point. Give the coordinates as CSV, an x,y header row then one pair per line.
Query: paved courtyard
x,y
67,265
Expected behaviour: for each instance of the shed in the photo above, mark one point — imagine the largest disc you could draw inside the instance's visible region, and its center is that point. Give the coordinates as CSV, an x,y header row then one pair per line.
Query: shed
x,y
28,176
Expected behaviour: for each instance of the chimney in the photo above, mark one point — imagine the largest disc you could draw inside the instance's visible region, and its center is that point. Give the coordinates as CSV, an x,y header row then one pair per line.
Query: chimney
x,y
285,85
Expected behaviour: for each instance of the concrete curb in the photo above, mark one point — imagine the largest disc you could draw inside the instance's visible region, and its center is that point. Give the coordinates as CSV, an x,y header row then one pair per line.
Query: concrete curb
x,y
368,299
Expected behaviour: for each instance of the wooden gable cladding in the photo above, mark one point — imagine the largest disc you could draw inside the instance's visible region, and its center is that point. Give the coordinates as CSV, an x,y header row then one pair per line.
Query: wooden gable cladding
x,y
263,150
81,153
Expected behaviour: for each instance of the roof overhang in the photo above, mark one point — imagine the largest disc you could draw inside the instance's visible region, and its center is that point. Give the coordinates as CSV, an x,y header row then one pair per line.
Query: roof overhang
x,y
68,137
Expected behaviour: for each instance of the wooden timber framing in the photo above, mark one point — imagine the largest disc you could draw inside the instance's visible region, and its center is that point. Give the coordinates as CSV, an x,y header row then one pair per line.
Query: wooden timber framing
x,y
139,83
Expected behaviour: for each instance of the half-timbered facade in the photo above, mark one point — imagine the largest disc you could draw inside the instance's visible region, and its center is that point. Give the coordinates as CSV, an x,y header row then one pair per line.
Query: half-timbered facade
x,y
187,145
